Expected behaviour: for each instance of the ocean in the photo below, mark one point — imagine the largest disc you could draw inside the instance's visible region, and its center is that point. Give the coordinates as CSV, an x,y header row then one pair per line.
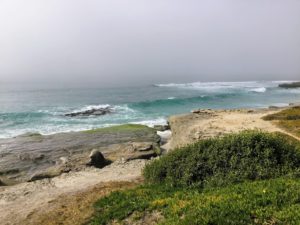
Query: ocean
x,y
24,110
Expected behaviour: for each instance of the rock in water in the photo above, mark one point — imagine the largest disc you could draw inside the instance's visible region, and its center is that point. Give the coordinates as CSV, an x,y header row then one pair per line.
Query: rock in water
x,y
97,159
91,112
290,85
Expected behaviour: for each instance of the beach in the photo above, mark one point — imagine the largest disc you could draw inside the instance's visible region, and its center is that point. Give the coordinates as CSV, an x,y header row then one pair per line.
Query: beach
x,y
30,202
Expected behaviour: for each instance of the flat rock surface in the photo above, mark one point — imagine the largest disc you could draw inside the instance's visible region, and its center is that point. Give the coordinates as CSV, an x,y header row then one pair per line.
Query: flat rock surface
x,y
25,156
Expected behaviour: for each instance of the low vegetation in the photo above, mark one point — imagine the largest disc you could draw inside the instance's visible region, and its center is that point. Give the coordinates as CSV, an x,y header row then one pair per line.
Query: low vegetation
x,y
288,119
273,201
250,155
246,178
120,128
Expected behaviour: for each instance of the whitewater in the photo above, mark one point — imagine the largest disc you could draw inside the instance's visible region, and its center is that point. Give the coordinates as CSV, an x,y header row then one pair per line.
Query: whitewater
x,y
36,110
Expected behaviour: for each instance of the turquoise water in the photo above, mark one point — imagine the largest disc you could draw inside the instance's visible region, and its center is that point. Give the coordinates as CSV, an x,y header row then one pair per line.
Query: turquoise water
x,y
25,110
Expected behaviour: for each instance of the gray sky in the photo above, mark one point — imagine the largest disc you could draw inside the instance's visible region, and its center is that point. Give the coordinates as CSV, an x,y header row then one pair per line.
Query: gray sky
x,y
123,42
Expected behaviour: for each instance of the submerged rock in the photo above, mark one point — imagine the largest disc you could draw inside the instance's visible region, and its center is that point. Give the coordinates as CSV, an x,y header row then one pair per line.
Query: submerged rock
x,y
91,112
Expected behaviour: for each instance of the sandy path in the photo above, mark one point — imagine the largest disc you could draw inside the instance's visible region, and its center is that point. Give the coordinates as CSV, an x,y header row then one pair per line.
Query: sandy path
x,y
194,126
18,202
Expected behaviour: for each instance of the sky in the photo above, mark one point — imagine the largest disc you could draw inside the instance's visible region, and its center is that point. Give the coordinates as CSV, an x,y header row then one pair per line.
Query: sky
x,y
135,42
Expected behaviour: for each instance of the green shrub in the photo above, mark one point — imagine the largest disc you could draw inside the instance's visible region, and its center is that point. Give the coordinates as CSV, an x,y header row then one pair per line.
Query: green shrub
x,y
249,155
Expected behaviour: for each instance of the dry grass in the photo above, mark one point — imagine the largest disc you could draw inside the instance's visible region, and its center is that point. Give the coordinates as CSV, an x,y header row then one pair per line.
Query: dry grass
x,y
288,119
76,208
292,126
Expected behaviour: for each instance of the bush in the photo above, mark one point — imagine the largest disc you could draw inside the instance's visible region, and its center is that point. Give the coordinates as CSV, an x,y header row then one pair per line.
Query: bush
x,y
249,155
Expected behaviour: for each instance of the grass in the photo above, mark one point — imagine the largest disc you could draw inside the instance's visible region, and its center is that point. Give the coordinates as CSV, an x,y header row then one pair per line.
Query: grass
x,y
275,201
120,128
246,178
288,119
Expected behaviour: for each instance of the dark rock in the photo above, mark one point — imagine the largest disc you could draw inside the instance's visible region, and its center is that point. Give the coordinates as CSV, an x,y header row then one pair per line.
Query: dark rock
x,y
273,107
202,111
1,183
162,127
91,112
97,159
290,85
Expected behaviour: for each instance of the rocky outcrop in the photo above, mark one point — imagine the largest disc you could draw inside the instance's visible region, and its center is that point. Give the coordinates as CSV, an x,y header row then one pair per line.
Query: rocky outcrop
x,y
28,158
134,150
290,85
91,112
182,126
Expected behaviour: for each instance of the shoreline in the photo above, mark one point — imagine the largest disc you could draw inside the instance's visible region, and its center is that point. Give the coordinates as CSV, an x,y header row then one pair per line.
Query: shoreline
x,y
149,123
28,201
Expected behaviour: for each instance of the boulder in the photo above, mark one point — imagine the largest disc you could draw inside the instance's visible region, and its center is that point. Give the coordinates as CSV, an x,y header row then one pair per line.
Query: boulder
x,y
97,159
2,183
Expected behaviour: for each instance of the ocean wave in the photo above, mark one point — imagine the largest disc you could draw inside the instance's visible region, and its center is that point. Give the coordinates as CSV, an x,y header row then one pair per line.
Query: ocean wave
x,y
254,86
92,107
259,90
114,108
153,122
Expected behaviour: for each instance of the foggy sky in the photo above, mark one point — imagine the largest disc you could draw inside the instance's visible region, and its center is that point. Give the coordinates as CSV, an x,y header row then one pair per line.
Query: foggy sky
x,y
122,42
